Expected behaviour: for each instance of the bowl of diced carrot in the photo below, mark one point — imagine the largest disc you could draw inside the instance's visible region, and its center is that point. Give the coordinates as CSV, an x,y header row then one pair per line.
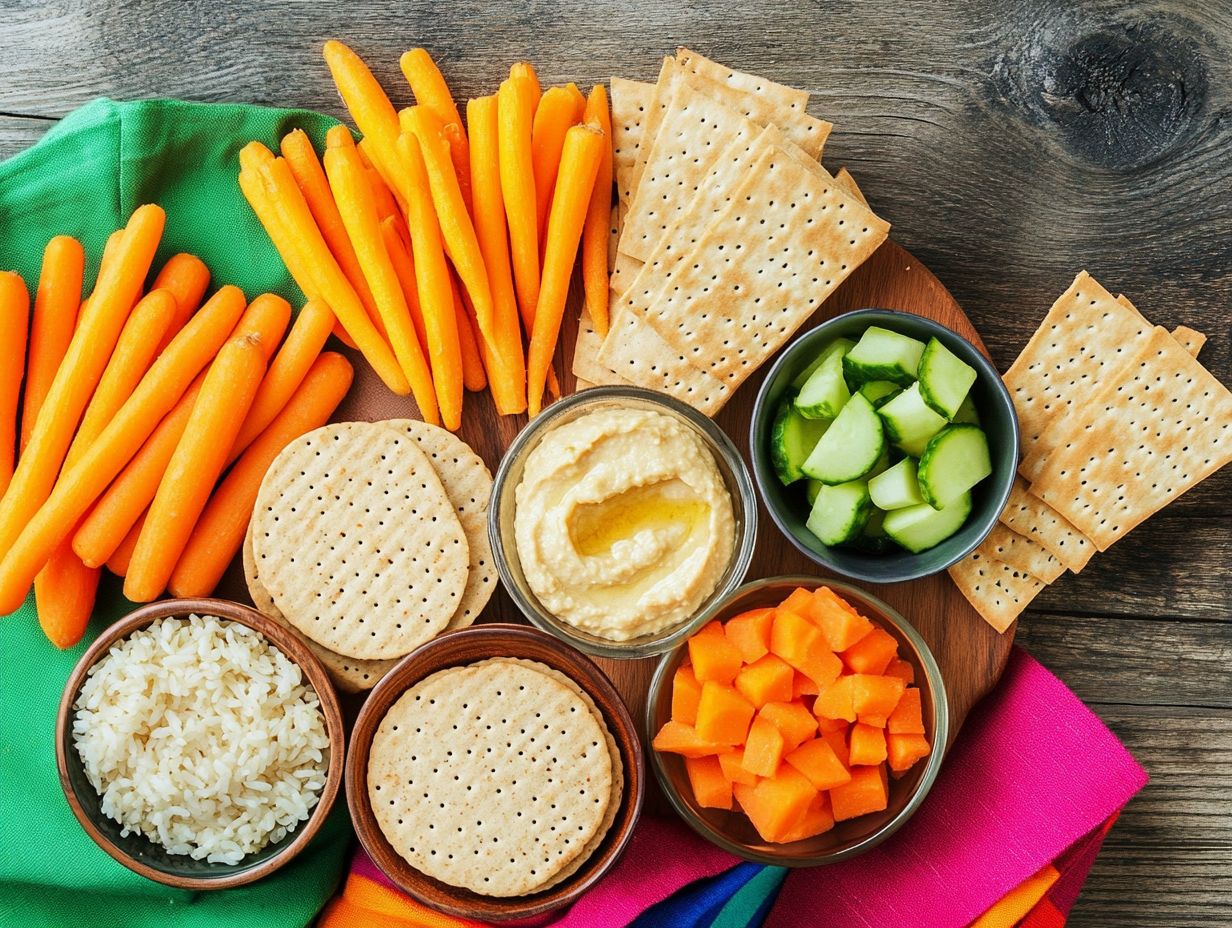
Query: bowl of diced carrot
x,y
803,724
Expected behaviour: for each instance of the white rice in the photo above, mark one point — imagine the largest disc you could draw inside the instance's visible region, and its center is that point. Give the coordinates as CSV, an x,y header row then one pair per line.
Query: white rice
x,y
201,735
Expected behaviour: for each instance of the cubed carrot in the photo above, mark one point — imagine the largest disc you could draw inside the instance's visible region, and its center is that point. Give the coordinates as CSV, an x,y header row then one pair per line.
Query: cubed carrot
x,y
723,715
875,695
866,745
803,685
817,761
764,749
750,633
768,679
777,804
825,724
791,718
710,788
904,750
686,692
841,625
835,701
730,762
908,716
679,738
816,820
793,637
901,669
867,791
872,653
837,740
713,656
821,664
798,602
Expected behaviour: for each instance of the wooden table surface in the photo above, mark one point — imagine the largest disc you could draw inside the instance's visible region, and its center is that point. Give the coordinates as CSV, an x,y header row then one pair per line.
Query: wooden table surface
x,y
1011,144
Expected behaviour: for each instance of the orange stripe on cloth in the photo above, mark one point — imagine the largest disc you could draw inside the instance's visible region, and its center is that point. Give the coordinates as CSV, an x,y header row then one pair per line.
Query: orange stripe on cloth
x,y
365,903
1019,901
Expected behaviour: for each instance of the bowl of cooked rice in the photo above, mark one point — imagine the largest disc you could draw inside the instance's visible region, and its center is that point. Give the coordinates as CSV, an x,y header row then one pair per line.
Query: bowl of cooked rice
x,y
199,743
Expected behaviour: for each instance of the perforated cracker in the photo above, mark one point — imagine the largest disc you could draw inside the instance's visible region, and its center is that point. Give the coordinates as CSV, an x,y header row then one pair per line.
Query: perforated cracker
x,y
630,101
1030,516
357,542
624,271
586,347
844,177
785,97
492,778
997,591
1190,339
1140,442
1021,552
650,122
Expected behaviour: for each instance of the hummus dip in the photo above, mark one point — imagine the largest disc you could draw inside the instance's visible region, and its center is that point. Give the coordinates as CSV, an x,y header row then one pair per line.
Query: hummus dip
x,y
623,523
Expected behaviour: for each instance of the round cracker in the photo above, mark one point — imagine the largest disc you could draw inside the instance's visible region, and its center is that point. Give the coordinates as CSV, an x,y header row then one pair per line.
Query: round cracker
x,y
468,484
491,778
357,543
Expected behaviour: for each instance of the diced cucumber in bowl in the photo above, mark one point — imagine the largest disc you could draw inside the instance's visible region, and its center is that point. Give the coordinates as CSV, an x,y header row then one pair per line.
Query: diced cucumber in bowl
x,y
880,392
918,528
850,447
945,379
955,460
881,354
896,488
909,422
967,412
792,438
825,392
839,345
811,489
840,512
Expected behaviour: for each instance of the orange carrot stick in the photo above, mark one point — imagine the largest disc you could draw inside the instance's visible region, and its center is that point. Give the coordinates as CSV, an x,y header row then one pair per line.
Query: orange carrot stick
x,y
596,274
186,278
433,284
524,71
374,115
14,322
219,531
64,594
285,243
123,556
404,266
55,315
474,378
88,352
432,93
111,248
79,486
558,110
517,173
508,377
226,393
353,194
570,203
266,317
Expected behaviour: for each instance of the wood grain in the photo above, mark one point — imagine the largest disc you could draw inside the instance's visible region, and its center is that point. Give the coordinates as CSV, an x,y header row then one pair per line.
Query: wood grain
x,y
1011,142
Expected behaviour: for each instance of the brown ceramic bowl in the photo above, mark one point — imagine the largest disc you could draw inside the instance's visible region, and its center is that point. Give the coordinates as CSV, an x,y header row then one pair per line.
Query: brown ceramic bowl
x,y
468,646
137,852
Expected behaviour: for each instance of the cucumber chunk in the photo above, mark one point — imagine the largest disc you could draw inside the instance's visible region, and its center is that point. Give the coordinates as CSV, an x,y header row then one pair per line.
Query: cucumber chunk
x,y
918,528
954,461
872,538
825,392
909,423
840,512
945,379
882,465
850,447
839,345
811,489
883,355
792,437
897,488
966,412
880,392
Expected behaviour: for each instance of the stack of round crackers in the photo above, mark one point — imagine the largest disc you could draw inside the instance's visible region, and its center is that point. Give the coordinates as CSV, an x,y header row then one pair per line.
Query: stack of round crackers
x,y
500,777
369,539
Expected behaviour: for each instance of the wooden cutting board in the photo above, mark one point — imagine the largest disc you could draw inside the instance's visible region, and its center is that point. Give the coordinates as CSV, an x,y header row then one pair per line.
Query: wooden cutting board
x,y
971,654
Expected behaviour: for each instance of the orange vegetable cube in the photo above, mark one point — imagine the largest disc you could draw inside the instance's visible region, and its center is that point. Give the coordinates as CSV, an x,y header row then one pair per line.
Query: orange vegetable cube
x,y
686,692
764,749
750,633
872,653
835,701
838,743
791,718
908,716
866,745
679,738
710,788
904,750
867,791
841,625
799,602
723,715
713,656
875,695
901,669
793,637
817,761
803,685
817,819
777,804
821,665
825,724
766,680
730,762
877,721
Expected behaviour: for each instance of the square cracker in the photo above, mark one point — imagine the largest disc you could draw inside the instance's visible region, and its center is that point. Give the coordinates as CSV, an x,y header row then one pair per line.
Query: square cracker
x,y
630,103
789,98
650,121
1021,552
1030,516
1140,442
844,177
586,365
1190,339
995,589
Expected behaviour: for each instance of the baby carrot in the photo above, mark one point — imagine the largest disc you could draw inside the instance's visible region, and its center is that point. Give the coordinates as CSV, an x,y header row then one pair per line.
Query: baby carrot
x,y
219,531
266,317
226,393
186,278
14,321
579,164
79,486
524,71
89,350
474,378
55,314
558,110
596,275
284,243
123,556
515,109
432,93
433,284
404,266
353,194
508,377
374,115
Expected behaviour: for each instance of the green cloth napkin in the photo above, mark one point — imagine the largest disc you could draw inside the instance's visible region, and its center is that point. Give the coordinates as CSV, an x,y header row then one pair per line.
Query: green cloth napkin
x,y
84,179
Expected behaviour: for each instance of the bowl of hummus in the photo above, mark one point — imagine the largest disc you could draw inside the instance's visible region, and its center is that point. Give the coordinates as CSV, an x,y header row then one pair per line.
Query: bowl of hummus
x,y
619,516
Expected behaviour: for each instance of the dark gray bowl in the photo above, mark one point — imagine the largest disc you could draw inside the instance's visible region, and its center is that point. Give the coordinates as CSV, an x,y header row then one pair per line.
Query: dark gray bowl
x,y
787,505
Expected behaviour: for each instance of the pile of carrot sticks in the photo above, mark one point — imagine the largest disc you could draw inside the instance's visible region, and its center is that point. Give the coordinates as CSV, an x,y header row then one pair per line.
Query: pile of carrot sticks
x,y
148,419
446,250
